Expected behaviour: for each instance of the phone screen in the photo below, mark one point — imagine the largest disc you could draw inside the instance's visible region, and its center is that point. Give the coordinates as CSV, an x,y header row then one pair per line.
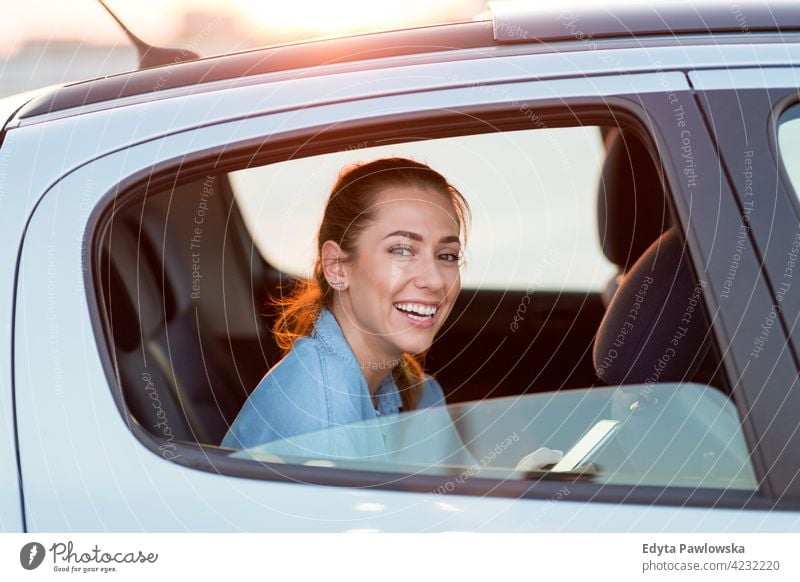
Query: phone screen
x,y
582,452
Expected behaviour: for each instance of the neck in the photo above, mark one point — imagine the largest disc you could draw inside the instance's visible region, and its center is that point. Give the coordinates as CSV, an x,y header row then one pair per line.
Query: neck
x,y
374,365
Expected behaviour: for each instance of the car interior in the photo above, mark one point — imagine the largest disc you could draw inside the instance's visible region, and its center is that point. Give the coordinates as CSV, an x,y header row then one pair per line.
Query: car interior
x,y
184,298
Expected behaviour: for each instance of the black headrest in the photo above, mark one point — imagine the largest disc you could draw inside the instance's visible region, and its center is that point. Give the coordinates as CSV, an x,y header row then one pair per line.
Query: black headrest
x,y
631,206
655,328
135,285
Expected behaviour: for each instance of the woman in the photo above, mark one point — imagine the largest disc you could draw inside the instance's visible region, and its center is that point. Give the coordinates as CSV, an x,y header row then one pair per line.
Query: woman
x,y
386,275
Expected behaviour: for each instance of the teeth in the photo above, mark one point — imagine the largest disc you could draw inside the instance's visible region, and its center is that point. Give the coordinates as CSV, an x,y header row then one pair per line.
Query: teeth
x,y
426,310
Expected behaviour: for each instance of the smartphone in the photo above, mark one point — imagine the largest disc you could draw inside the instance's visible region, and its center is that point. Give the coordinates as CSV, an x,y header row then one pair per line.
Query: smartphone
x,y
583,451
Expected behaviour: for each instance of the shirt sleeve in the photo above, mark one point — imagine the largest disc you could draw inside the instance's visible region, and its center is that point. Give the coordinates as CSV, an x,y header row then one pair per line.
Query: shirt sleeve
x,y
432,393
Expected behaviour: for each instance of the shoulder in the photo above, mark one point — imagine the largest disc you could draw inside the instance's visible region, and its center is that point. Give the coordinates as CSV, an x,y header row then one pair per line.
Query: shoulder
x,y
290,399
300,371
308,390
432,393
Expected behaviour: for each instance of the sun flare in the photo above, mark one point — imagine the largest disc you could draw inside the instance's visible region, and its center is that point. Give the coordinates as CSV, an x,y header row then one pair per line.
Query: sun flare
x,y
323,17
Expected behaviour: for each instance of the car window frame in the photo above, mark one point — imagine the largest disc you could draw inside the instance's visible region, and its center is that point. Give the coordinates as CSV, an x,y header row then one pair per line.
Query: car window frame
x,y
741,107
197,456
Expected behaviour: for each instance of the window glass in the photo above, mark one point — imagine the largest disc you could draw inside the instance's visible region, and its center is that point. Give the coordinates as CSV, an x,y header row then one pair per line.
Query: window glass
x,y
533,196
789,145
685,435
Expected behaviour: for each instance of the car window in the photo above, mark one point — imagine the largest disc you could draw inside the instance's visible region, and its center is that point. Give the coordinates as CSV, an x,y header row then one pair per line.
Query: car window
x,y
789,145
515,365
685,435
533,195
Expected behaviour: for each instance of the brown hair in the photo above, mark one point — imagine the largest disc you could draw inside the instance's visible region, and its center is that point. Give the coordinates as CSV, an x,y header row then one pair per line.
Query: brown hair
x,y
348,212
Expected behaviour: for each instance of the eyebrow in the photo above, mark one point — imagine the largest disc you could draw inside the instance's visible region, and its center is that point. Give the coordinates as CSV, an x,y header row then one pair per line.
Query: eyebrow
x,y
418,237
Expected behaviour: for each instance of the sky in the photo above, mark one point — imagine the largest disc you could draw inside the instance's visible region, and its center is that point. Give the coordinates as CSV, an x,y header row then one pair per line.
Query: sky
x,y
158,20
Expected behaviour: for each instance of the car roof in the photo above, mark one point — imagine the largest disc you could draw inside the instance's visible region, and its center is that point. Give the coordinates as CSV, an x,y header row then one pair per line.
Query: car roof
x,y
530,22
514,22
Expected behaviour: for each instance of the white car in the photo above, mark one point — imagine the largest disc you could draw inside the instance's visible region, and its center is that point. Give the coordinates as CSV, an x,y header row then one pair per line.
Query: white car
x,y
630,298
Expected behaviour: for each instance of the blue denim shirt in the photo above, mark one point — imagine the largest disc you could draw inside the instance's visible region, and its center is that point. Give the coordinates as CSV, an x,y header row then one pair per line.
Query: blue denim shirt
x,y
317,385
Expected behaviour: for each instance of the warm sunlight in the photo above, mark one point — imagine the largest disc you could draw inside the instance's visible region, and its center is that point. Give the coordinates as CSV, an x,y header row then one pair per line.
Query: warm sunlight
x,y
323,17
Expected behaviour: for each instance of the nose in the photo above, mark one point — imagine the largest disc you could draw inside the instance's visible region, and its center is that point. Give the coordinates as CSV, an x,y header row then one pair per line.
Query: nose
x,y
429,275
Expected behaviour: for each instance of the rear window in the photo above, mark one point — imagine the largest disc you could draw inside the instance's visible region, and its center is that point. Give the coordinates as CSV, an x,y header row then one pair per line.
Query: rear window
x,y
533,195
514,360
789,145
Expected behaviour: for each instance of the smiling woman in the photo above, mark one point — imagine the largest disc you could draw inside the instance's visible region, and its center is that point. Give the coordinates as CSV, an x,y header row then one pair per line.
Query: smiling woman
x,y
386,276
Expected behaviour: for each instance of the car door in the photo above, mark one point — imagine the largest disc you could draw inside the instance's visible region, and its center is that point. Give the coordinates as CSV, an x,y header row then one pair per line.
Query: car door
x,y
87,466
743,108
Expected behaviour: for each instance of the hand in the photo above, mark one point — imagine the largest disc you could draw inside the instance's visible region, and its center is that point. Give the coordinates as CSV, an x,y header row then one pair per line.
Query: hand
x,y
538,459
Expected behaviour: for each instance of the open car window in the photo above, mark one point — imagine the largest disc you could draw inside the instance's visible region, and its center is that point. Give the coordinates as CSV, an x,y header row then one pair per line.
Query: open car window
x,y
789,145
560,215
533,195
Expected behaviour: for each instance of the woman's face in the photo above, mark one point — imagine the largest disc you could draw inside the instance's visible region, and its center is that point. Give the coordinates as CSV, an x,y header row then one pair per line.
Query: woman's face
x,y
406,276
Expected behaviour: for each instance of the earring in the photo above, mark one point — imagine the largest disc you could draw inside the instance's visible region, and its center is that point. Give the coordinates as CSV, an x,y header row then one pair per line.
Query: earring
x,y
338,284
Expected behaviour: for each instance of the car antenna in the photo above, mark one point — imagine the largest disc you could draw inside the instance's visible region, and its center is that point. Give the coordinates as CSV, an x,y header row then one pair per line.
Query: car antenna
x,y
149,55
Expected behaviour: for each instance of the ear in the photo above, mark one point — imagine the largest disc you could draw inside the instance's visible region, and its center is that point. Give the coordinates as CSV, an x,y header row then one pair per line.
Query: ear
x,y
333,265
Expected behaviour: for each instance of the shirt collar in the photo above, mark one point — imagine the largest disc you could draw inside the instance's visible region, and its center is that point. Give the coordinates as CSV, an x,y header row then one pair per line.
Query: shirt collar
x,y
388,397
329,332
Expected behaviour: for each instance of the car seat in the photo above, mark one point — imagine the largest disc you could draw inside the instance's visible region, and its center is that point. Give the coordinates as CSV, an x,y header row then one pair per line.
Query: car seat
x,y
655,328
186,361
631,203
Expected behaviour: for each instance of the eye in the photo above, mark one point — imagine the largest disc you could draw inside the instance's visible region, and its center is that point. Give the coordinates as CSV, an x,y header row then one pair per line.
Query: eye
x,y
450,257
402,251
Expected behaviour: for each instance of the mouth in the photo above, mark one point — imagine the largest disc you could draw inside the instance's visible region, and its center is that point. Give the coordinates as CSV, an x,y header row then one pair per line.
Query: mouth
x,y
420,314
